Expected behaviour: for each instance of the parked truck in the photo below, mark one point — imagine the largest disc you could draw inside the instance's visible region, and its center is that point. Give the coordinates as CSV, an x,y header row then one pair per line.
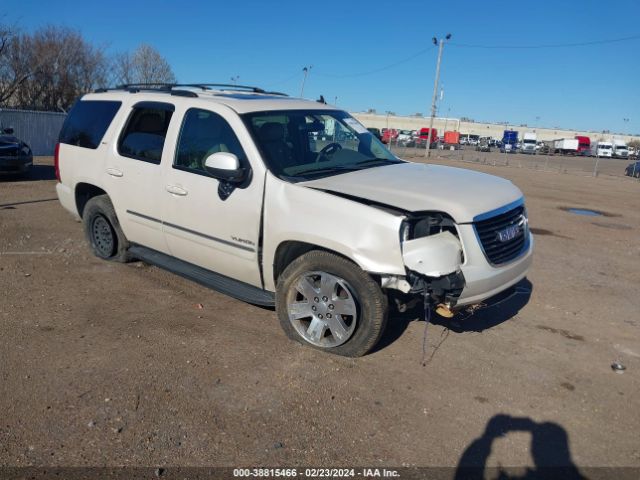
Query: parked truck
x,y
620,149
584,145
509,141
601,148
529,142
423,138
566,146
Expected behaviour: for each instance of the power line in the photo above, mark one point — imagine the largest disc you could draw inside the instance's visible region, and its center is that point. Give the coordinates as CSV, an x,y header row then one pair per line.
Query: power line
x,y
549,45
381,69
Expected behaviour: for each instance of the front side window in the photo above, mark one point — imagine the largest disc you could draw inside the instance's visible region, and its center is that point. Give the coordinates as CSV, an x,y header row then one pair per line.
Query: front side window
x,y
303,144
143,137
204,133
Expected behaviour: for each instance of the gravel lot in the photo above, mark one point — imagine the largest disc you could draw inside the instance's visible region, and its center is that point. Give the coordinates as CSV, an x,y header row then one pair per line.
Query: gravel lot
x,y
110,364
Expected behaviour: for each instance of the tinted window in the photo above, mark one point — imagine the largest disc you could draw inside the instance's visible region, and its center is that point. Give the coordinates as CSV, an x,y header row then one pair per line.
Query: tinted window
x,y
204,133
143,137
87,123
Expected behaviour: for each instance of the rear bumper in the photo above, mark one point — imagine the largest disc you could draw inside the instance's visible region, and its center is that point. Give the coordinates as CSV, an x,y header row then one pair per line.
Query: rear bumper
x,y
15,164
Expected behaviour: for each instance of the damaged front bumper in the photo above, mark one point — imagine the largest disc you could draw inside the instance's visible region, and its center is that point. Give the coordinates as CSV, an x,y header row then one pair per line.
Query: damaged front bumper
x,y
454,270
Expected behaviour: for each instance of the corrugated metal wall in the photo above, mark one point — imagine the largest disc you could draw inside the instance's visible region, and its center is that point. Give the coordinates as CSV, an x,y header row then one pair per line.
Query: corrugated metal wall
x,y
38,129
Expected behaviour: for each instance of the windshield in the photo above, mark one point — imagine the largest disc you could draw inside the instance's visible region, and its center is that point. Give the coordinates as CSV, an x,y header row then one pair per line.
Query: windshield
x,y
306,144
526,140
604,147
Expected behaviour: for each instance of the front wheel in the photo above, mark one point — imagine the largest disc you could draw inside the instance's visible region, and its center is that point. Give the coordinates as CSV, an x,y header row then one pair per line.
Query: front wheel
x,y
327,302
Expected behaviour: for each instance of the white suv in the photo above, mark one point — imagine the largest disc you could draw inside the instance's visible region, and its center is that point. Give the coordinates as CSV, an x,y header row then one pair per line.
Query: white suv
x,y
286,202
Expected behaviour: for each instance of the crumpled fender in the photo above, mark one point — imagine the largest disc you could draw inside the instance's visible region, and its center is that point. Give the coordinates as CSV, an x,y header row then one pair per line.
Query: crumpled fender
x,y
367,235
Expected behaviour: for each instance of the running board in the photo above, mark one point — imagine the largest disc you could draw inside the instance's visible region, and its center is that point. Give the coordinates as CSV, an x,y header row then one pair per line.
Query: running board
x,y
228,286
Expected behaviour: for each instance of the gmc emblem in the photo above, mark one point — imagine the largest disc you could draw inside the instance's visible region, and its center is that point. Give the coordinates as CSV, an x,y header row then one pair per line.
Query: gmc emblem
x,y
508,233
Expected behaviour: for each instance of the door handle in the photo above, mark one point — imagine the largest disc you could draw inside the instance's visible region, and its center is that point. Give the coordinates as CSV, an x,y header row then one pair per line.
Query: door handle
x,y
175,190
114,172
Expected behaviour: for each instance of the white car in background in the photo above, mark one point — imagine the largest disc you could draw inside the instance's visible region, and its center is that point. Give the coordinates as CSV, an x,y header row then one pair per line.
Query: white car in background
x,y
285,202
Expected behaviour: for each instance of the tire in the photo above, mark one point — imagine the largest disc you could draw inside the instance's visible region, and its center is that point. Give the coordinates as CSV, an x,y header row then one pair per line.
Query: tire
x,y
344,288
103,232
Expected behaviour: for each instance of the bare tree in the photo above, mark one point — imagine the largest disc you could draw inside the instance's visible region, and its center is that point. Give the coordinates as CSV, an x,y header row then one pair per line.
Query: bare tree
x,y
144,65
10,77
51,68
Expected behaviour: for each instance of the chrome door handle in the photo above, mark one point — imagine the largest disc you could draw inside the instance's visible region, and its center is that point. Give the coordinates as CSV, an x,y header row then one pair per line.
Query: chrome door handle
x,y
175,190
114,172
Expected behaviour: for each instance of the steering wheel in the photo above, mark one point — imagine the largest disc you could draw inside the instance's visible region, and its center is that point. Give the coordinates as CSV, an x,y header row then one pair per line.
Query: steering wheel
x,y
328,150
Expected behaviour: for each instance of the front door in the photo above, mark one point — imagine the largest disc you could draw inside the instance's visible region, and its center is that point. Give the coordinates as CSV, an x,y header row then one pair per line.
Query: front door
x,y
204,222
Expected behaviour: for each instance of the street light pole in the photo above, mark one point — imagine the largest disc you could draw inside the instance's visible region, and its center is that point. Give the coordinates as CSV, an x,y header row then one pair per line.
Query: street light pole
x,y
304,79
435,91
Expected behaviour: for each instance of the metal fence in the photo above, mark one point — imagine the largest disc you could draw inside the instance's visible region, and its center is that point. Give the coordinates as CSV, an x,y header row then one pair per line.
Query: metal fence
x,y
38,129
577,165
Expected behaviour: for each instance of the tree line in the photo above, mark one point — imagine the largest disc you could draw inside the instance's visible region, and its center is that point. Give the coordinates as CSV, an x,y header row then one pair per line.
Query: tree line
x,y
51,67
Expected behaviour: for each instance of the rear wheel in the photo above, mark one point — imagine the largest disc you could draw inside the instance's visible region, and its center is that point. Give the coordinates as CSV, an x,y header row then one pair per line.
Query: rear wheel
x,y
327,302
103,232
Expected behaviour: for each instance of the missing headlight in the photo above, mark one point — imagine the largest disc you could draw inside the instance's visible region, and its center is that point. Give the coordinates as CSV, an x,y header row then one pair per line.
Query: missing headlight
x,y
425,224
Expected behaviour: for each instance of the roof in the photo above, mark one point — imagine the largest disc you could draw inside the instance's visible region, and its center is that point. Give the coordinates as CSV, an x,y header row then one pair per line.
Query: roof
x,y
239,98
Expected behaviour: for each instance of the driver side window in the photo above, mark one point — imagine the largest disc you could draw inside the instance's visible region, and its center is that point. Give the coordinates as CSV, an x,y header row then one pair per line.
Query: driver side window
x,y
204,133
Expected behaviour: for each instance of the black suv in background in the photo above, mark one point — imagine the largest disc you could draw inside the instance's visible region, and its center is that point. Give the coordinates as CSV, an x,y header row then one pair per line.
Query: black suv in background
x,y
15,155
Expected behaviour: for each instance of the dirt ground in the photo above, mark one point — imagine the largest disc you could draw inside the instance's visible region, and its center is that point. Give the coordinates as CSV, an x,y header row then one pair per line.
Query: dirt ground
x,y
111,364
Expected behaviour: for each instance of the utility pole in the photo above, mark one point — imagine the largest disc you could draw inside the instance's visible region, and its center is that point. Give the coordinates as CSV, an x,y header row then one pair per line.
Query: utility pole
x,y
306,71
435,91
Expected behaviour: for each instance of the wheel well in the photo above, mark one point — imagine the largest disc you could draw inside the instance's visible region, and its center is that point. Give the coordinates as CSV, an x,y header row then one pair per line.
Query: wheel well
x,y
288,251
84,193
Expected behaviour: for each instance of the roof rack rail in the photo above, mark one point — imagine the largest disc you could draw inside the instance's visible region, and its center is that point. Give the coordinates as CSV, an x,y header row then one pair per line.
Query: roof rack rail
x,y
168,87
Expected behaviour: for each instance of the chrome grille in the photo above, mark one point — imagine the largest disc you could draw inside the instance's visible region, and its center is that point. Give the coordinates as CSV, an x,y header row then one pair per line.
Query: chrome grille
x,y
503,237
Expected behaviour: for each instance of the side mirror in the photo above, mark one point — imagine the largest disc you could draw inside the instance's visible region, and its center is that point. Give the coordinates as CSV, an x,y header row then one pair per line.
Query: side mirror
x,y
224,166
8,130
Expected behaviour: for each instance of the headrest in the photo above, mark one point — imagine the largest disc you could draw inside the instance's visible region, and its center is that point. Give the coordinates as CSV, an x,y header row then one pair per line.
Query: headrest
x,y
271,132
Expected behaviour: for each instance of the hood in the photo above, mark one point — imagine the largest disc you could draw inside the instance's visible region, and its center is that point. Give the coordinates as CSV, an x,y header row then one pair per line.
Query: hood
x,y
415,187
9,140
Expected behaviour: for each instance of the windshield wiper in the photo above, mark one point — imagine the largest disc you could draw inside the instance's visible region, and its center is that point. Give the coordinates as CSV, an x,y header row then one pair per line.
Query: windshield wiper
x,y
372,161
336,168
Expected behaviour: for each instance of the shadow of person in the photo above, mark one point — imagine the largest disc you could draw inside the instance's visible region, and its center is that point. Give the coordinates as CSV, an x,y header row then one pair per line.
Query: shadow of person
x,y
549,449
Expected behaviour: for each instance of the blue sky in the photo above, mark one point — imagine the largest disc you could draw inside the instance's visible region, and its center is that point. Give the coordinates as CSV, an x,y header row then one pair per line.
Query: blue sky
x,y
349,44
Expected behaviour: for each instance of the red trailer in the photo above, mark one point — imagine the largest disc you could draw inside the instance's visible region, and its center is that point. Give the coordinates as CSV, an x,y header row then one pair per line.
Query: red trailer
x,y
451,138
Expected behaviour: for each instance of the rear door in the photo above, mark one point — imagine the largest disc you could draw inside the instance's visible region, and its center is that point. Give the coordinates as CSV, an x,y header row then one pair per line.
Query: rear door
x,y
134,173
206,222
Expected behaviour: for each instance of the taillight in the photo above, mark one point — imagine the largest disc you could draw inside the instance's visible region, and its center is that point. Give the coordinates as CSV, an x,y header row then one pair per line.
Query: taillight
x,y
56,161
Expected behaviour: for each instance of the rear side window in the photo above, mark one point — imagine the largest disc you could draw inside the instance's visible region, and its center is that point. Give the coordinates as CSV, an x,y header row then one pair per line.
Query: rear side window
x,y
143,137
87,122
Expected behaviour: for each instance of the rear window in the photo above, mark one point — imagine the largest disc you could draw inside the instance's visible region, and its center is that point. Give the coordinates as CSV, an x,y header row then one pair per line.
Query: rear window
x,y
144,135
87,123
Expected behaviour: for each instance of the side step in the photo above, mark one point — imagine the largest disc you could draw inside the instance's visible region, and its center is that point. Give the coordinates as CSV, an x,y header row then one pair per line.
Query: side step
x,y
233,288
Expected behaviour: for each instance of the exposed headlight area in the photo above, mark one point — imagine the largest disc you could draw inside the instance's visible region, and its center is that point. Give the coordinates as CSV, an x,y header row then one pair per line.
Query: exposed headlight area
x,y
421,225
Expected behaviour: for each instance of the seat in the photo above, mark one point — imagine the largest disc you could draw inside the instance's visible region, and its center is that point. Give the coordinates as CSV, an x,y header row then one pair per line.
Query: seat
x,y
272,135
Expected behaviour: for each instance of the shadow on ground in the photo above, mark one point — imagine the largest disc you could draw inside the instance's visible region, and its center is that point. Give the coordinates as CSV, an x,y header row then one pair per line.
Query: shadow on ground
x,y
494,311
37,172
549,450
